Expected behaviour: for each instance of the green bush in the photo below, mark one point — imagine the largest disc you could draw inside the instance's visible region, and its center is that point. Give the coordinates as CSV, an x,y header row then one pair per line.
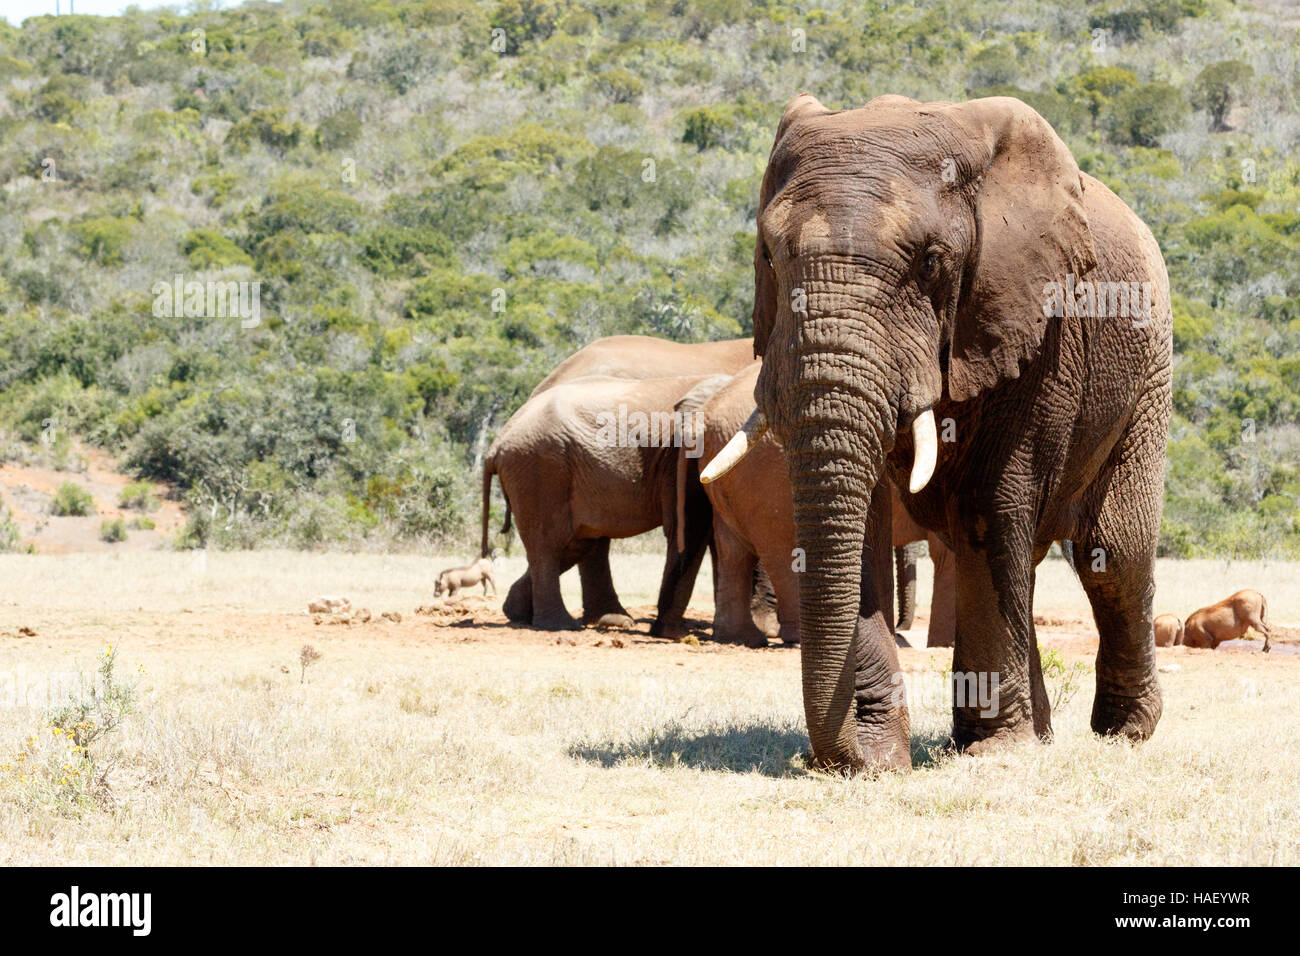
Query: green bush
x,y
72,500
208,249
139,496
112,531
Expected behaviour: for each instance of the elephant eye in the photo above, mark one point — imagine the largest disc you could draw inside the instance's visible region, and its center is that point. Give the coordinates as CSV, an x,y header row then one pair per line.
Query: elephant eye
x,y
930,266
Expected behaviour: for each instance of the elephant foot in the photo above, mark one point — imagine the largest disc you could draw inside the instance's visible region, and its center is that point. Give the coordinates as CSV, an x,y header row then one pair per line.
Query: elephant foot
x,y
616,621
789,635
518,606
669,629
556,622
900,640
1114,715
876,752
978,741
748,636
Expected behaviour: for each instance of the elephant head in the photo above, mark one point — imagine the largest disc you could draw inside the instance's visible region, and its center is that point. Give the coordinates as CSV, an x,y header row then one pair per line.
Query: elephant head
x,y
901,257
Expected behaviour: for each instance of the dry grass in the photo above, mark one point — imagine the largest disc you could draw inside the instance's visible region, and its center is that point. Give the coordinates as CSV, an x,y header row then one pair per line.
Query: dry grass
x,y
410,743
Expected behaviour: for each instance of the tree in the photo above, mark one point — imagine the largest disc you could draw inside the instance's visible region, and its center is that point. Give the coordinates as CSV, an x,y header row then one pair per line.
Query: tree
x,y
1215,88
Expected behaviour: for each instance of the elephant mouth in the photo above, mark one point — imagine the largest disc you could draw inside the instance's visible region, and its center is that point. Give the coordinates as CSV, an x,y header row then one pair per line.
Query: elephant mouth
x,y
925,440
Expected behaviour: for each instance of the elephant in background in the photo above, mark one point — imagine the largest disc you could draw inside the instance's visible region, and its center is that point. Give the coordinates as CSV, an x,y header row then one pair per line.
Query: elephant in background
x,y
590,460
753,522
644,356
943,601
631,357
922,262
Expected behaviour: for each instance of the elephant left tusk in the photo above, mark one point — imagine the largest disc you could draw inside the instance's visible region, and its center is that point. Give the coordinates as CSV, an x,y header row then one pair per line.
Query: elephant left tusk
x,y
926,454
755,427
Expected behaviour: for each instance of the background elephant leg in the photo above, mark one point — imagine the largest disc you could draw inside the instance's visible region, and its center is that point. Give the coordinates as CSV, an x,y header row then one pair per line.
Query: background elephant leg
x,y
518,606
943,602
1115,561
762,604
786,589
993,700
905,556
599,600
681,567
732,620
549,612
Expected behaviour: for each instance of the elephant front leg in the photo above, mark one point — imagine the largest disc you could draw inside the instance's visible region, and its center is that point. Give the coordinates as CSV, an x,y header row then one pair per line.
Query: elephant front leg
x,y
600,603
994,702
1115,561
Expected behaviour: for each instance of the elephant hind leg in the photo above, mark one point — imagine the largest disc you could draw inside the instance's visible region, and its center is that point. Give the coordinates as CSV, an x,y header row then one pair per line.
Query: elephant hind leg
x,y
600,601
549,612
733,621
518,606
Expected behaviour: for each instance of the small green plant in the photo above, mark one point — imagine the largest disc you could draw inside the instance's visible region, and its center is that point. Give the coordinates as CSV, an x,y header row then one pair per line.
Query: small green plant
x,y
139,496
141,523
113,531
92,713
307,657
1063,680
9,533
72,499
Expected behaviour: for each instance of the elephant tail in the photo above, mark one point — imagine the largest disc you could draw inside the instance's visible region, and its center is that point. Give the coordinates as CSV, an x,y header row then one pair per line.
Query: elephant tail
x,y
680,499
1067,552
490,469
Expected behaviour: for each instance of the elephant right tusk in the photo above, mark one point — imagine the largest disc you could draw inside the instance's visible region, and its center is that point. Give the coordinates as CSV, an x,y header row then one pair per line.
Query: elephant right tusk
x,y
926,452
754,428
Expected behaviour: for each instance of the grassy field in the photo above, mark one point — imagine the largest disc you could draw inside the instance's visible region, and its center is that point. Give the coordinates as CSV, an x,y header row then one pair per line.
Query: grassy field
x,y
437,740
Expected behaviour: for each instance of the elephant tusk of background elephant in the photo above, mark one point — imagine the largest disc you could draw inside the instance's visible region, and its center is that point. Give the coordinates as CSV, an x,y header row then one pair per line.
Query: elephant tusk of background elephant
x,y
755,427
926,442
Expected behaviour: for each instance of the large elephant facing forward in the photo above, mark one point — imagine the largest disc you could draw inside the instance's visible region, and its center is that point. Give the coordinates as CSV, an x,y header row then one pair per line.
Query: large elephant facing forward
x,y
923,261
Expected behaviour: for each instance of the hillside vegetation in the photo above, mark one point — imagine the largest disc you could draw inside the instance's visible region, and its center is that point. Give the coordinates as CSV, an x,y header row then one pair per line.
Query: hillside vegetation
x,y
442,199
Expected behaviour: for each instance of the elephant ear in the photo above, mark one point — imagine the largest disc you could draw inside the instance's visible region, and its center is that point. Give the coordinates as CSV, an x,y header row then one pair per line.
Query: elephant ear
x,y
801,107
1032,231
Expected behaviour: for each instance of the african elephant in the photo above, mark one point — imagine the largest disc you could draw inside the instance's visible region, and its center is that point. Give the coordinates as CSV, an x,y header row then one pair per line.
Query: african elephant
x,y
753,520
590,460
1168,630
943,601
1228,620
631,357
935,261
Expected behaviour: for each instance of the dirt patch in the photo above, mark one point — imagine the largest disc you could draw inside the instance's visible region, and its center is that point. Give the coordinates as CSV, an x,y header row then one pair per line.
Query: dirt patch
x,y
28,491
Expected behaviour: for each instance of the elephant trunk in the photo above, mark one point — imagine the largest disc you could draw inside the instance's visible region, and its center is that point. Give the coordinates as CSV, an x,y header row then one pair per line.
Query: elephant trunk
x,y
853,700
905,569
